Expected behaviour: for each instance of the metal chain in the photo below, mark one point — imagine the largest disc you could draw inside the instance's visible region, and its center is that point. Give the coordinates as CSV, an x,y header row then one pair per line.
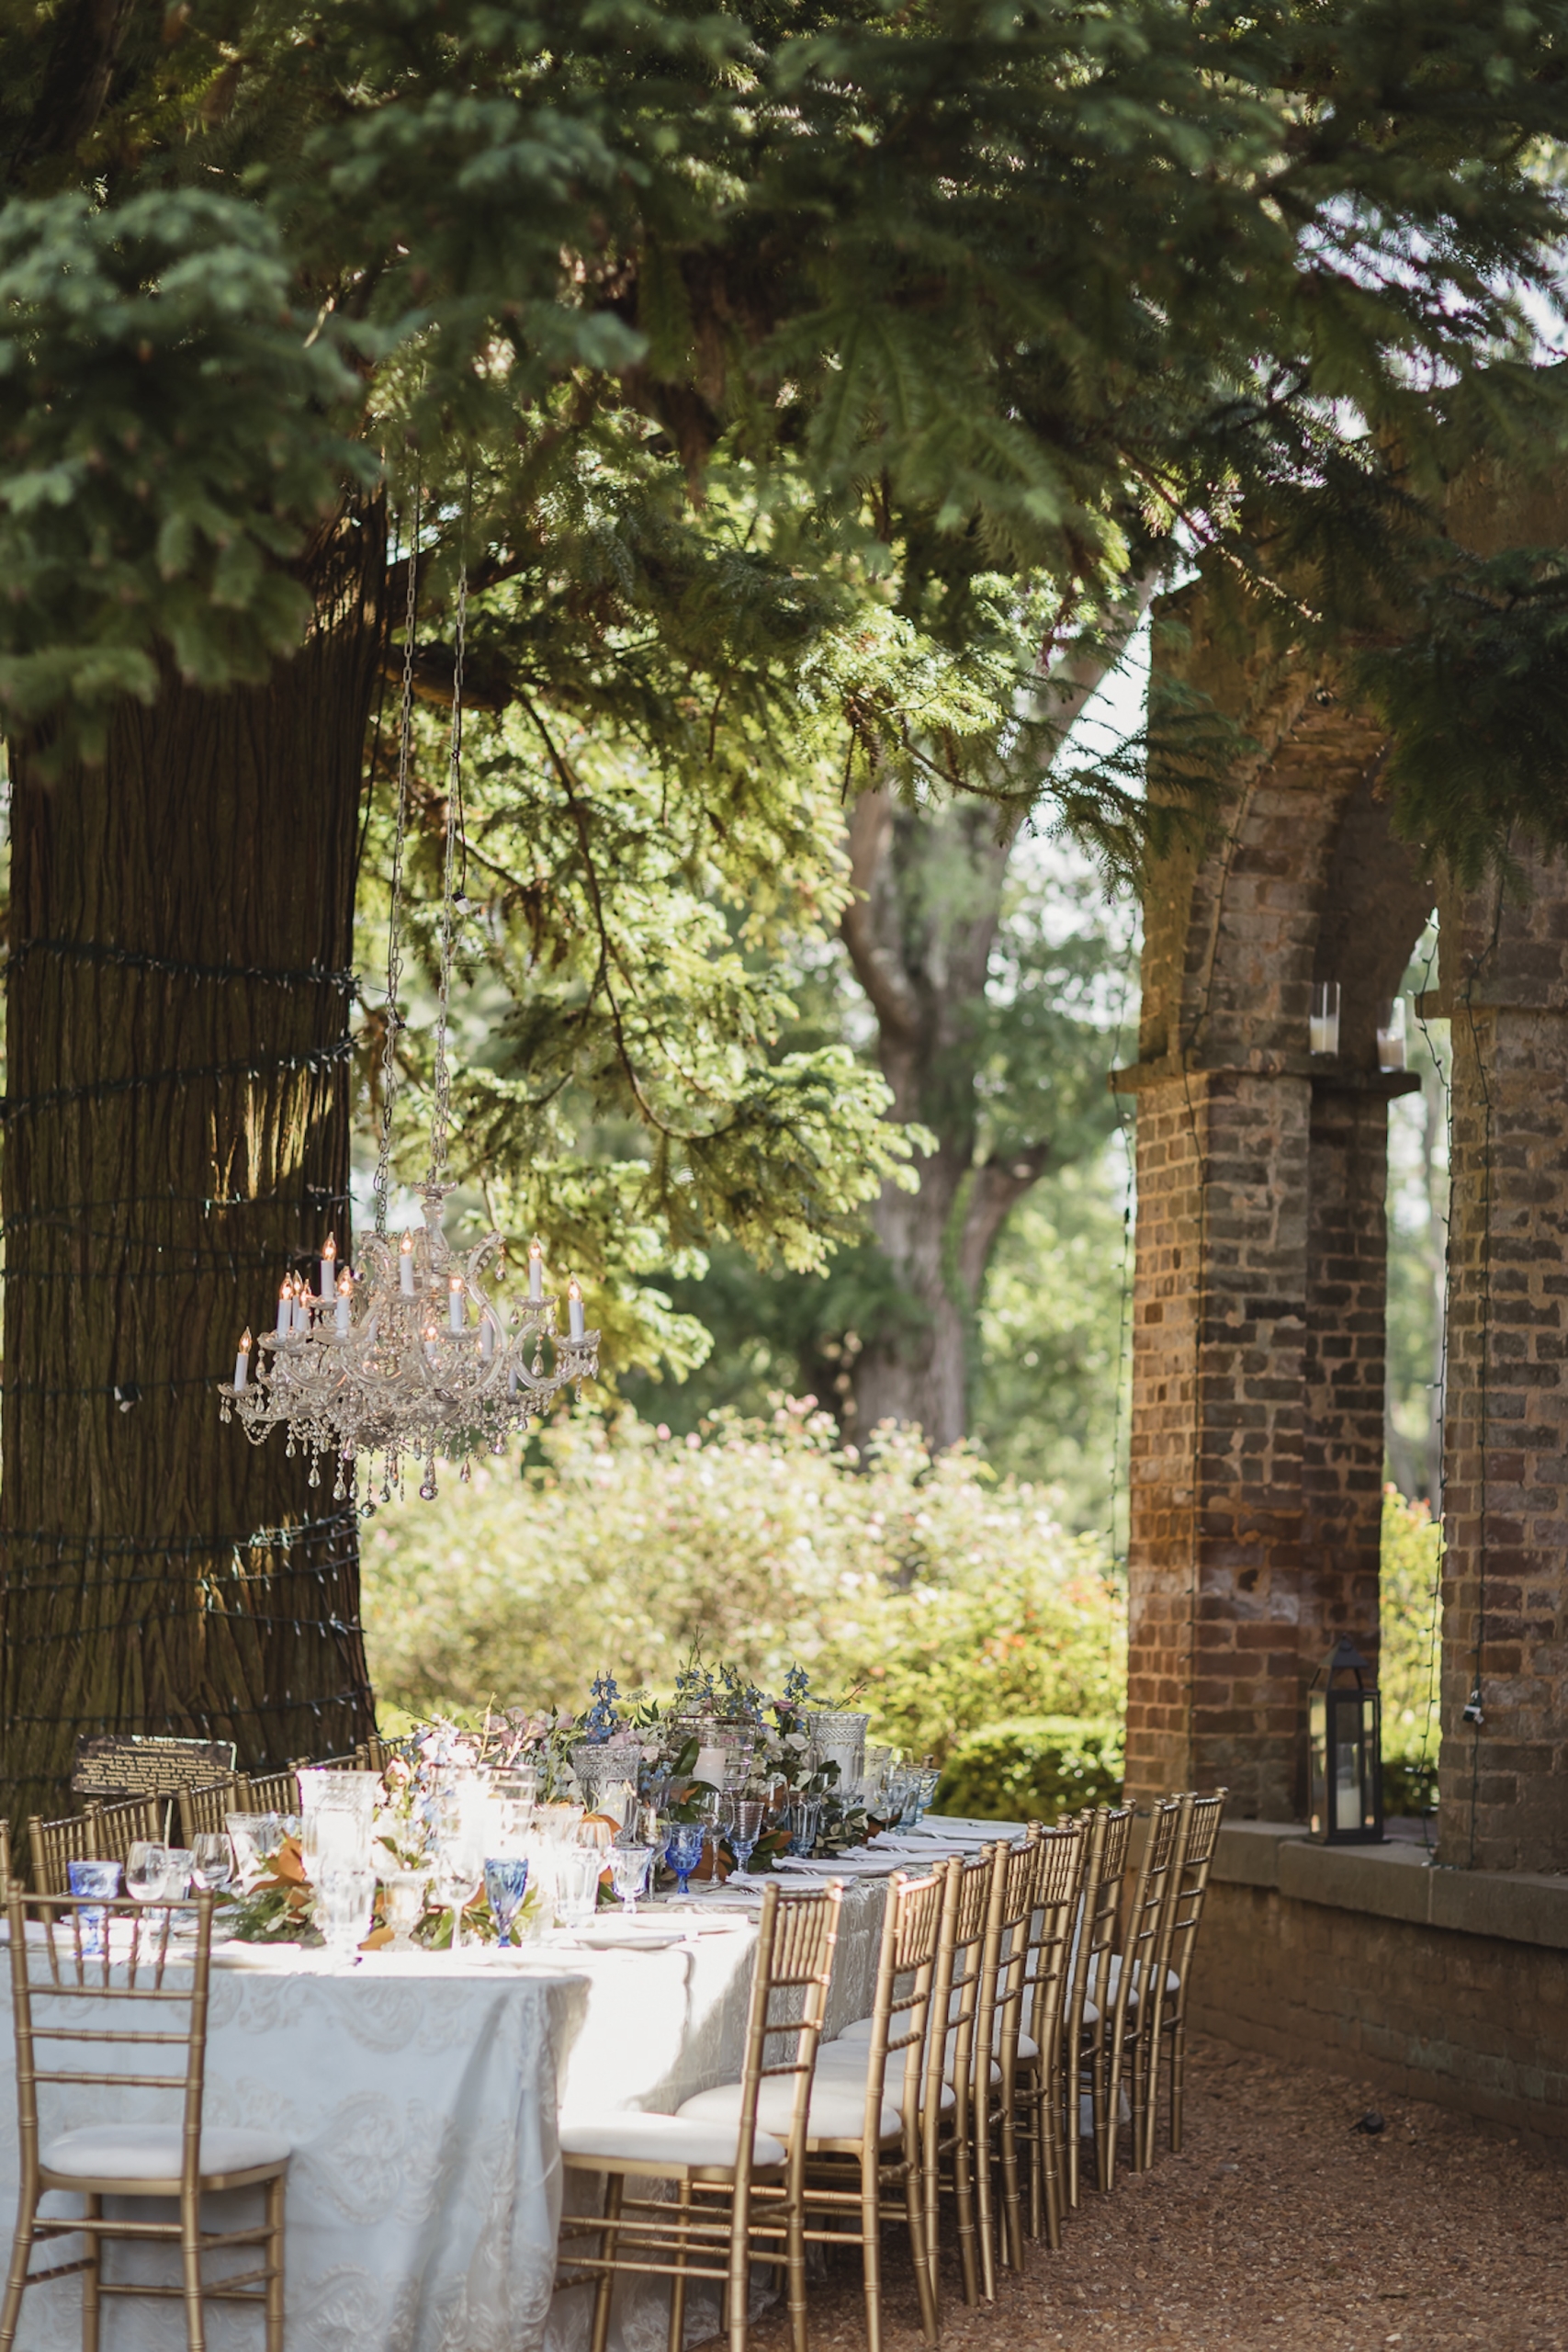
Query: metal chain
x,y
448,878
394,928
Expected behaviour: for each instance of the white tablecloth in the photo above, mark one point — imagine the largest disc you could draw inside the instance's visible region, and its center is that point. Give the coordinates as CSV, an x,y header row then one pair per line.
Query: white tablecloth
x,y
421,2099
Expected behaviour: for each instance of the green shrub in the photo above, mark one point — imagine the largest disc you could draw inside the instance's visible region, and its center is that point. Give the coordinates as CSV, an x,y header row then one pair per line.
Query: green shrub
x,y
1411,1550
1035,1767
953,1598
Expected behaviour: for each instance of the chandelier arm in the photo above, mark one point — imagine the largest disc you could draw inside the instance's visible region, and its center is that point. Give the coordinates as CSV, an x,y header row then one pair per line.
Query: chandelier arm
x,y
394,928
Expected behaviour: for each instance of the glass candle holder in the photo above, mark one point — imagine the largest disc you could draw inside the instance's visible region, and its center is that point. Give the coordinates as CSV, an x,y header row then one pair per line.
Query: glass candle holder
x,y
1323,1022
1390,1033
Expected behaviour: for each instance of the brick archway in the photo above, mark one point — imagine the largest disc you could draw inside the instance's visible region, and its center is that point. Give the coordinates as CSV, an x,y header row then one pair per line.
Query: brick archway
x,y
1257,1369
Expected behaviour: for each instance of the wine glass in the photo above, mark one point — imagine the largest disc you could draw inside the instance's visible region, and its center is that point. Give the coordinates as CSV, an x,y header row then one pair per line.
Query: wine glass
x,y
683,1845
628,1872
506,1884
745,1828
455,1882
211,1860
146,1867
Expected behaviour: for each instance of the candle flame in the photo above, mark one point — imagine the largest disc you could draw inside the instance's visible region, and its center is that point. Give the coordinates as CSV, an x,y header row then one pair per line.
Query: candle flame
x,y
285,1288
406,1245
329,1248
535,1248
574,1288
454,1283
345,1284
245,1340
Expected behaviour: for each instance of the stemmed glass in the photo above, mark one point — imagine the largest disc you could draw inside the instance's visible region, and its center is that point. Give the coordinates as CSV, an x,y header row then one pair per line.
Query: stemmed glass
x,y
683,1842
745,1828
506,1884
146,1868
628,1873
211,1860
929,1774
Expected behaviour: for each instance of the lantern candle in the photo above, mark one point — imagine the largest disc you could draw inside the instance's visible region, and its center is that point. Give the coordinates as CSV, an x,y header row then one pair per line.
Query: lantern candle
x,y
574,1308
329,1267
340,1312
286,1308
243,1361
454,1302
405,1265
535,1271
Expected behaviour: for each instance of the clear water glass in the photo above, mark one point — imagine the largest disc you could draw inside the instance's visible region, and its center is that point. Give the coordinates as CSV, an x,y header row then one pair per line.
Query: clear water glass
x,y
683,1845
178,1862
577,1885
146,1867
628,1873
344,1901
455,1882
805,1822
506,1887
745,1828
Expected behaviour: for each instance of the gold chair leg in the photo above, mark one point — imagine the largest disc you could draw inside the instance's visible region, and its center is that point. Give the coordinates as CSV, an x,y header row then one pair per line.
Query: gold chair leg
x,y
190,2266
1100,2099
736,2286
678,2284
964,2203
1178,2082
871,2251
276,2200
1012,2200
795,2272
93,2255
1073,2070
1050,2158
615,2190
920,2255
16,2276
985,2220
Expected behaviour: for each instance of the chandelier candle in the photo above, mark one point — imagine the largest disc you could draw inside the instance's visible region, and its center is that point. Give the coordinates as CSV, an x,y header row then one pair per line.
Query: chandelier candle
x,y
455,1302
575,1307
405,1265
286,1310
341,1311
535,1272
243,1361
329,1267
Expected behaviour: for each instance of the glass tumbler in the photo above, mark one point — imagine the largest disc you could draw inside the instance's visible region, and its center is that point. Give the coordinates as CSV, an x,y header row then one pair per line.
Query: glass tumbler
x,y
94,1878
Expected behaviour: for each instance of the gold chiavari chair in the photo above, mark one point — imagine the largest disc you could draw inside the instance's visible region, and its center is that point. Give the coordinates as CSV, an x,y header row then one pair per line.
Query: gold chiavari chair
x,y
997,2022
371,1753
53,1844
1059,1863
1133,1975
204,1812
890,2172
62,1987
955,1991
1110,1830
268,1792
5,1860
132,1821
739,2171
1190,1889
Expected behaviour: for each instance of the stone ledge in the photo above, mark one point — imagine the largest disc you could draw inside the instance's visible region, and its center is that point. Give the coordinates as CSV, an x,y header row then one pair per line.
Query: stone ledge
x,y
1394,1882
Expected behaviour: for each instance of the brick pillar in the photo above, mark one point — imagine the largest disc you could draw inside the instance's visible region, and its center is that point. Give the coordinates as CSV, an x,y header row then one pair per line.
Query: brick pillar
x,y
1502,1785
1218,1359
1344,1378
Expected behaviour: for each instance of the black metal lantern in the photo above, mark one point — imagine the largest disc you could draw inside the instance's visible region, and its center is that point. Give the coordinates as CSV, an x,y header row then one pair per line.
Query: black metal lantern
x,y
1344,1740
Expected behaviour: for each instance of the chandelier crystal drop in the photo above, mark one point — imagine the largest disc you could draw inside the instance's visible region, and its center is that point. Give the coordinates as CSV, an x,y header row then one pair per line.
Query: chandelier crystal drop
x,y
410,1356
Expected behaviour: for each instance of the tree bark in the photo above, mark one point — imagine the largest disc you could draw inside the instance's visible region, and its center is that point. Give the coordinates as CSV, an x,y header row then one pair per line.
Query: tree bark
x,y
919,934
175,1139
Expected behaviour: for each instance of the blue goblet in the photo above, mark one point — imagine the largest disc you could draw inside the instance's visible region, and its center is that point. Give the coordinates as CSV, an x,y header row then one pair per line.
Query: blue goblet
x,y
506,1884
684,1850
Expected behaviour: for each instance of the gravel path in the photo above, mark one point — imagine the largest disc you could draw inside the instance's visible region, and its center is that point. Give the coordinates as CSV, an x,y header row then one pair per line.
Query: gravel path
x,y
1279,2228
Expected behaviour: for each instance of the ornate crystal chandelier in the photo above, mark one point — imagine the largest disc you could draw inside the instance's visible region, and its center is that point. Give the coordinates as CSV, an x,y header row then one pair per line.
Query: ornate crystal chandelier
x,y
412,1357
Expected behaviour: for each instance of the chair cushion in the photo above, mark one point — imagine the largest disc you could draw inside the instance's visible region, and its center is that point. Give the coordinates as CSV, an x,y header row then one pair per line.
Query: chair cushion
x,y
835,2112
857,2035
860,2031
644,2139
847,2060
152,2151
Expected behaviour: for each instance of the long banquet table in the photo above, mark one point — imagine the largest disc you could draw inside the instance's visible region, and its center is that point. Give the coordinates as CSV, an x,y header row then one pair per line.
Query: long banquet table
x,y
422,2098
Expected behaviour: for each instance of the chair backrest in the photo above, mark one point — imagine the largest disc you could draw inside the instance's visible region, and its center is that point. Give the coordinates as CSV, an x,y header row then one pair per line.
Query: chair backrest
x,y
130,1822
1194,1864
1059,1868
267,1793
95,1952
204,1812
998,2013
371,1753
1105,1864
53,1844
790,1980
906,1964
1148,1936
955,1984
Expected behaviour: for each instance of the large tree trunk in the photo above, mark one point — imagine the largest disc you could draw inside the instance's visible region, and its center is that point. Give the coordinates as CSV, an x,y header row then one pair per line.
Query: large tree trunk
x,y
919,934
176,1135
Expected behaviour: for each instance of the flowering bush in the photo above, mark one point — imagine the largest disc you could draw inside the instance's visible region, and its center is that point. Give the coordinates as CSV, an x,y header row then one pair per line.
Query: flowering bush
x,y
951,1600
1412,1549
